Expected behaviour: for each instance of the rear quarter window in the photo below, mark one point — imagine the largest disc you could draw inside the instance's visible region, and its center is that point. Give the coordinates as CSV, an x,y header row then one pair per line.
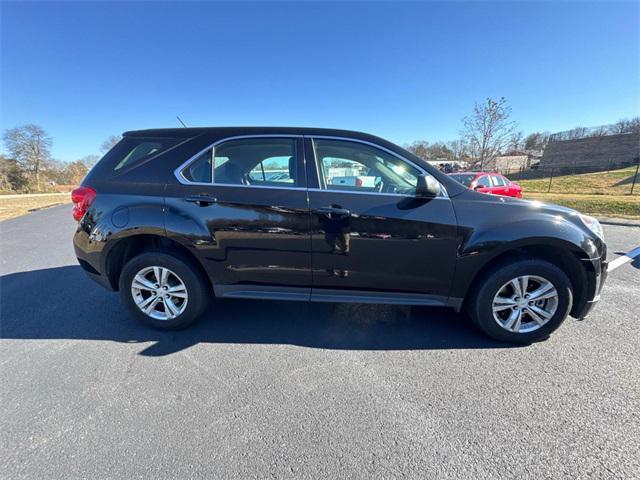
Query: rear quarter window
x,y
134,150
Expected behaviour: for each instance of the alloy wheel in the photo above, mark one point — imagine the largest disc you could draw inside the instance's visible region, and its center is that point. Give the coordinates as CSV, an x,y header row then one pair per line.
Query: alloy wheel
x,y
159,293
525,303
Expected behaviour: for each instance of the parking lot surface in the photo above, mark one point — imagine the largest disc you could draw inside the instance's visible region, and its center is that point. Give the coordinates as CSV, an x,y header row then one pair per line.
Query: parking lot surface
x,y
291,390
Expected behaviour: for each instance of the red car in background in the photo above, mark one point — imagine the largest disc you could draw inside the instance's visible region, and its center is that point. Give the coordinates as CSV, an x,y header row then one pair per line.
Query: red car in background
x,y
492,183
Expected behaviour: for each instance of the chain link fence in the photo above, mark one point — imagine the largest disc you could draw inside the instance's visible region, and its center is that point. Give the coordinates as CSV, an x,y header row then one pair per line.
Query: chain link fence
x,y
617,179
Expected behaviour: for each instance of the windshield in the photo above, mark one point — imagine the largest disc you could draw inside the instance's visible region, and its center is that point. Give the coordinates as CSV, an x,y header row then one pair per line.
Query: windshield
x,y
464,178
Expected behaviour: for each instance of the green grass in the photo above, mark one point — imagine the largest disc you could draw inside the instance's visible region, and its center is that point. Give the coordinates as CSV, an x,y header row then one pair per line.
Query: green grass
x,y
625,206
615,182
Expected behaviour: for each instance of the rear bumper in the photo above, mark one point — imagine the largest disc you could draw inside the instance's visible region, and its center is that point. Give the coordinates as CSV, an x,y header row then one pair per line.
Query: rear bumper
x,y
89,255
95,275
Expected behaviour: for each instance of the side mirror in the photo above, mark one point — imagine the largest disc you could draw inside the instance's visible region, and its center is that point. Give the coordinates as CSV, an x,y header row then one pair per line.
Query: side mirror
x,y
427,186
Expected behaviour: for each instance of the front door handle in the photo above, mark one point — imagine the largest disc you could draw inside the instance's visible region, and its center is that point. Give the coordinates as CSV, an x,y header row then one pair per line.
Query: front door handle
x,y
332,211
202,199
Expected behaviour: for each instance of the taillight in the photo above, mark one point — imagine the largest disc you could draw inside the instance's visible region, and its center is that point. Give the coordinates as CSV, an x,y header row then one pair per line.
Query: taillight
x,y
358,182
82,198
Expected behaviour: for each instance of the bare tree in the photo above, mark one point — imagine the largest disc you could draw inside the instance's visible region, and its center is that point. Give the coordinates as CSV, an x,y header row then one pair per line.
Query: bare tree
x,y
29,145
576,133
459,150
488,129
516,141
68,173
625,125
598,132
419,148
439,151
109,143
76,171
431,151
536,141
11,177
90,160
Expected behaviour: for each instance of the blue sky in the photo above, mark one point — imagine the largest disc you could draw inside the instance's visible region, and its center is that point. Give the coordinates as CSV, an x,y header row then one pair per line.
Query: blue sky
x,y
404,71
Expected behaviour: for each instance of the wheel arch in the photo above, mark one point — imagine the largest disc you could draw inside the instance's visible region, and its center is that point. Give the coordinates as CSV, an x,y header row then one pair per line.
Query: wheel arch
x,y
573,262
129,247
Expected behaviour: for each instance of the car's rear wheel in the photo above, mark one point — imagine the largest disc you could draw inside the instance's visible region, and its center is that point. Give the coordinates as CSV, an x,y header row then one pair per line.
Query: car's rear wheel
x,y
164,290
522,301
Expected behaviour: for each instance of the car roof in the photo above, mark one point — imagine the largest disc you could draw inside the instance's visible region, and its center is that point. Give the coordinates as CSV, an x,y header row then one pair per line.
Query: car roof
x,y
248,130
213,134
476,173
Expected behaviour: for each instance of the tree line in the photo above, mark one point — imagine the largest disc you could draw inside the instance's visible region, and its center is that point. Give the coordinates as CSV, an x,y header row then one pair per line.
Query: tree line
x,y
29,167
488,131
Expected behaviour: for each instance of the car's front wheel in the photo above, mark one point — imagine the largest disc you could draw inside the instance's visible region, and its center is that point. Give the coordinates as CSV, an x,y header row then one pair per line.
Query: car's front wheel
x,y
164,290
521,301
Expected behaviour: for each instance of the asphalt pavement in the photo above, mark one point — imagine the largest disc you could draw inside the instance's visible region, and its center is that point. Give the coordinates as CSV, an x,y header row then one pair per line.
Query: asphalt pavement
x,y
263,389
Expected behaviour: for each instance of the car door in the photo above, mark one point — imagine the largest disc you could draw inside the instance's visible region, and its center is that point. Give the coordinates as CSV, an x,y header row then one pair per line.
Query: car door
x,y
500,187
375,240
242,204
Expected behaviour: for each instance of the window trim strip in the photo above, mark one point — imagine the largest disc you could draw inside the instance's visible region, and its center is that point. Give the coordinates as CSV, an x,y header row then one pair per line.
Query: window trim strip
x,y
443,190
180,177
349,192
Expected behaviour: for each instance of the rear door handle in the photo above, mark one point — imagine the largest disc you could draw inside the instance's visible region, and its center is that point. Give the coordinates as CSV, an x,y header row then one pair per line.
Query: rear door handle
x,y
332,210
201,199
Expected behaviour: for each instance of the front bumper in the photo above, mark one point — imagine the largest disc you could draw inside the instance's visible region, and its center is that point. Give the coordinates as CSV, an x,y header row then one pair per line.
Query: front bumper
x,y
594,296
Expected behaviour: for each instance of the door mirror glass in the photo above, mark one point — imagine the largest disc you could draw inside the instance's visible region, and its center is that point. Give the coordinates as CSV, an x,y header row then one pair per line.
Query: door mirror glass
x,y
427,186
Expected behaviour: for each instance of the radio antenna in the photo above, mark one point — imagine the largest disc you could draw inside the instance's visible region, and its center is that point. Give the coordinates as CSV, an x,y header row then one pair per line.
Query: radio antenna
x,y
180,120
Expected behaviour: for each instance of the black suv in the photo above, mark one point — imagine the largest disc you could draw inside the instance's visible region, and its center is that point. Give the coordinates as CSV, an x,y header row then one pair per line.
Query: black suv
x,y
170,217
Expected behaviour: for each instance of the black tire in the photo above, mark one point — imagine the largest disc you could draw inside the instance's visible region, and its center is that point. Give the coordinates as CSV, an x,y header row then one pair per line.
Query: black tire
x,y
480,305
197,287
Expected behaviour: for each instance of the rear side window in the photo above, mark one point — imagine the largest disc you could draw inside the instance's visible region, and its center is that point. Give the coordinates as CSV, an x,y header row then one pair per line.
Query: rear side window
x,y
199,171
132,150
272,170
498,181
257,161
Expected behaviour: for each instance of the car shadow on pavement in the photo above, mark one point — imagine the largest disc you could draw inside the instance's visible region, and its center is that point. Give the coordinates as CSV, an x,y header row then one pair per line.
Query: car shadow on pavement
x,y
62,303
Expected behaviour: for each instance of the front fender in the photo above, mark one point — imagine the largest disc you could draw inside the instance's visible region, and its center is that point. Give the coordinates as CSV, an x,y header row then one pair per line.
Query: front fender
x,y
494,227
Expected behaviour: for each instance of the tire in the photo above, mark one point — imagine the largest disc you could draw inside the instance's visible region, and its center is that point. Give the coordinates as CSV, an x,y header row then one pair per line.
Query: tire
x,y
181,272
481,304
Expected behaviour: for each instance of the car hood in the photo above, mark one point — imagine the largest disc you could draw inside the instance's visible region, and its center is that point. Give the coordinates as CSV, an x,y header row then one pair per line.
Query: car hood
x,y
529,204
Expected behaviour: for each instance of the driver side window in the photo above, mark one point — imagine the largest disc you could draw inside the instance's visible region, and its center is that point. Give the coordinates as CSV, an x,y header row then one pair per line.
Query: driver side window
x,y
354,166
